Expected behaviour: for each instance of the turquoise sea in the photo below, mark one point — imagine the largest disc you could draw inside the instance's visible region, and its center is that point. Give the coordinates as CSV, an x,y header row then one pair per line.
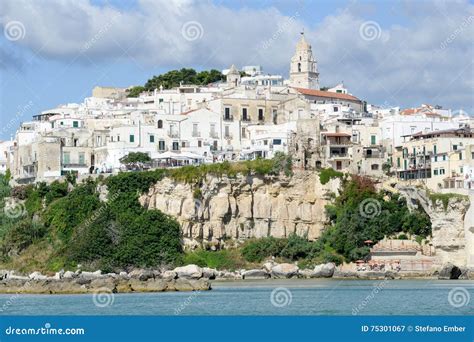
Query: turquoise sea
x,y
270,297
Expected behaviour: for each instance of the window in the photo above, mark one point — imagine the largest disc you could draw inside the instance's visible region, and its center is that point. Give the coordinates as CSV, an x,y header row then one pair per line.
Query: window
x,y
265,142
336,109
152,138
461,170
213,130
112,138
455,147
132,138
75,124
195,130
275,116
118,137
227,113
260,114
441,171
82,158
244,114
161,145
199,143
160,101
436,158
299,66
435,172
460,155
444,157
276,141
435,149
227,131
66,158
374,167
405,164
175,146
373,140
75,142
244,133
398,162
160,123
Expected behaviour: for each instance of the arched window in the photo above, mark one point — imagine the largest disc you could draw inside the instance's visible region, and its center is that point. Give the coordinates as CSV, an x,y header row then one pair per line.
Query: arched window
x,y
160,123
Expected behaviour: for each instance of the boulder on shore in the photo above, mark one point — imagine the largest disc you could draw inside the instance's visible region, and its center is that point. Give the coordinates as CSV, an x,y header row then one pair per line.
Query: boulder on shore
x,y
255,274
284,271
189,272
324,270
449,271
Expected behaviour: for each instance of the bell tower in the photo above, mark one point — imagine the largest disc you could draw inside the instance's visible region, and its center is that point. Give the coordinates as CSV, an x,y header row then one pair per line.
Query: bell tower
x,y
303,67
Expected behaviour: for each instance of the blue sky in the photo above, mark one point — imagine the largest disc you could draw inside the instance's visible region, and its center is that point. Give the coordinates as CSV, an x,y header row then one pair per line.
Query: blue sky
x,y
411,52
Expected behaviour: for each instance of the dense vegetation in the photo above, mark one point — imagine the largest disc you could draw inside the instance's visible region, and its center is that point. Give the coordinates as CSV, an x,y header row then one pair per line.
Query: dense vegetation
x,y
70,225
64,224
325,175
173,79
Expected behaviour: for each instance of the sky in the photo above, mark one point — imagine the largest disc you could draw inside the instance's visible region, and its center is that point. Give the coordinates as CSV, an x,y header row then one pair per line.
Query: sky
x,y
390,53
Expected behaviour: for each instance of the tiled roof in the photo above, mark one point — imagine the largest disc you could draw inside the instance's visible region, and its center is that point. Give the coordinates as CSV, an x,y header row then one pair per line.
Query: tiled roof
x,y
328,94
332,134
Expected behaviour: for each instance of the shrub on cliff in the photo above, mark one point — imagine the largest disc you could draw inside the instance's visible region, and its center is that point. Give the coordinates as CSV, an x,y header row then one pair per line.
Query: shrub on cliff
x,y
361,213
325,175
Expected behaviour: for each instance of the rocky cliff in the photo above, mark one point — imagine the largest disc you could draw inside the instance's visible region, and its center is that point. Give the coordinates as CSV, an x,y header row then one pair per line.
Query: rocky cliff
x,y
452,225
244,207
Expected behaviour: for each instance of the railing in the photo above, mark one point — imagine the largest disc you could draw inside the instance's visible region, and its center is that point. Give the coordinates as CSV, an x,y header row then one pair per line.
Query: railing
x,y
173,134
228,136
228,118
196,134
214,135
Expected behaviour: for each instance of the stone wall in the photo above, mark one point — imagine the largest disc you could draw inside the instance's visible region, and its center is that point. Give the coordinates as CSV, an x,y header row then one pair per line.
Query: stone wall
x,y
244,207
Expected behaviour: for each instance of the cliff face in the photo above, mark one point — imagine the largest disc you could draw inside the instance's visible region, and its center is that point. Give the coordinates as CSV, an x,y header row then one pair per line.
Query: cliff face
x,y
452,226
244,207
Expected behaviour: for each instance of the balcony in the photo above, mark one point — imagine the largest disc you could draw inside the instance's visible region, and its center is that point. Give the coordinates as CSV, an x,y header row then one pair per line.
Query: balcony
x,y
246,119
196,134
214,135
228,117
173,134
228,136
336,156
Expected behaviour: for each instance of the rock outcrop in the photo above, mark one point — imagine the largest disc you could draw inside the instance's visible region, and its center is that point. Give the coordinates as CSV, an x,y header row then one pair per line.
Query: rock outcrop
x,y
244,207
452,226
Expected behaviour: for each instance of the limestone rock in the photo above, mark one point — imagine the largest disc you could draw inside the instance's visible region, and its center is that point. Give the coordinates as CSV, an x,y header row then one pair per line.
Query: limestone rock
x,y
209,273
243,207
449,271
255,274
324,270
168,275
189,272
284,271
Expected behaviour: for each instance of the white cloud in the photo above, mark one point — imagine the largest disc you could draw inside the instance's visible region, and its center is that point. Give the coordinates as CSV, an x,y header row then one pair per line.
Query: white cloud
x,y
427,59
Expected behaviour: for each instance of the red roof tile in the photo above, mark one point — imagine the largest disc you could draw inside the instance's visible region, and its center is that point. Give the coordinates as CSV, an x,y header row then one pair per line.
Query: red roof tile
x,y
328,94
